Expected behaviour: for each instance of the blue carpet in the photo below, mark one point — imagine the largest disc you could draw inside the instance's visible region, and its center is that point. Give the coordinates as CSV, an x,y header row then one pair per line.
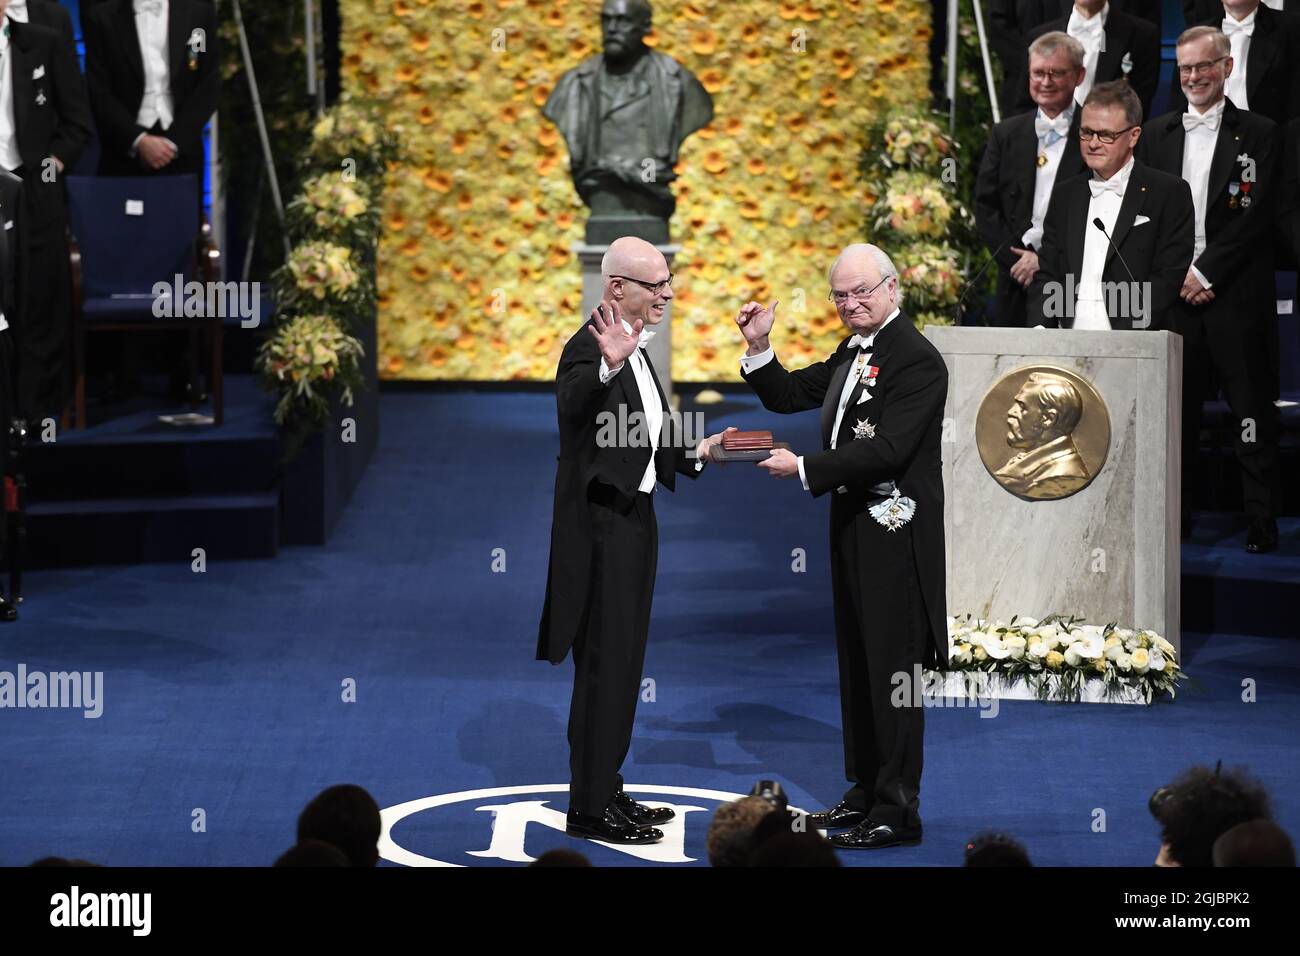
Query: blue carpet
x,y
223,689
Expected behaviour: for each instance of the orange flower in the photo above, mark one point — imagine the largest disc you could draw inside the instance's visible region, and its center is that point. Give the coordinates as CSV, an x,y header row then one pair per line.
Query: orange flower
x,y
715,162
704,42
547,136
756,166
437,180
712,80
419,42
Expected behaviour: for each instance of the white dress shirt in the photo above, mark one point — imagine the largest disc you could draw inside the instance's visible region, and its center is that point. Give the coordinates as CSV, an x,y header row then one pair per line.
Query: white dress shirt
x,y
750,362
1198,153
1091,32
1090,307
10,158
1053,135
654,412
1239,33
18,11
151,28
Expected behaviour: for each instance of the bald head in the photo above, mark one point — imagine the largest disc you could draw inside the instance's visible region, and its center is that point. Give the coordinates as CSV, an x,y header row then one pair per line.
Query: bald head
x,y
632,270
630,256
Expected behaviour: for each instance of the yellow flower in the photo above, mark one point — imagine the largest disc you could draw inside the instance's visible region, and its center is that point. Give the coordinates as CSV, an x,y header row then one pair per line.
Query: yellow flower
x,y
1055,659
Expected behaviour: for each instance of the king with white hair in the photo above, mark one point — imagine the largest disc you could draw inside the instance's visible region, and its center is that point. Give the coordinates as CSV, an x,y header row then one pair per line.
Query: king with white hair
x,y
881,396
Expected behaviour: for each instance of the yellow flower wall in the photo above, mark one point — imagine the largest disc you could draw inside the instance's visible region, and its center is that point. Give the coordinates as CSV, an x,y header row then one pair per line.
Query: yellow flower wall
x,y
477,277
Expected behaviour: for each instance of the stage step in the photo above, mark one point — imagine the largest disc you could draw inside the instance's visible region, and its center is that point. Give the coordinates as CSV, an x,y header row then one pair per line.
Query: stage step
x,y
153,529
1225,590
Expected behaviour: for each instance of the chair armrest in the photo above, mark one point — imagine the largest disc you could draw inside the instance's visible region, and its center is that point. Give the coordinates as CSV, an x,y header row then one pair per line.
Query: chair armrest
x,y
207,256
74,264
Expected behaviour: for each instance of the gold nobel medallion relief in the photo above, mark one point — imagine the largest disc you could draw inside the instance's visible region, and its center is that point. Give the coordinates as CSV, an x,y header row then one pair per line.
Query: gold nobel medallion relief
x,y
1043,432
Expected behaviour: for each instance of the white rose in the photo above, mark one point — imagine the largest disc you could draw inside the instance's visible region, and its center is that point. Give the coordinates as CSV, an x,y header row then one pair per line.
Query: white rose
x,y
1039,648
1141,660
997,647
1125,661
1026,621
1047,633
1016,644
1089,646
1156,660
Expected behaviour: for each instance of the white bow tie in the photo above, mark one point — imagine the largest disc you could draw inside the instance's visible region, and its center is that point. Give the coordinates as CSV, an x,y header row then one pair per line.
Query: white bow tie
x,y
1085,28
151,7
1052,129
1112,185
1209,120
862,342
1231,26
645,338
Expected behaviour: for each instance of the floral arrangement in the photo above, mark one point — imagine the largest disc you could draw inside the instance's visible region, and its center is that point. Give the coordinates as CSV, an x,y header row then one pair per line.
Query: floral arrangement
x,y
319,271
916,214
1059,654
353,139
311,359
331,206
326,287
482,212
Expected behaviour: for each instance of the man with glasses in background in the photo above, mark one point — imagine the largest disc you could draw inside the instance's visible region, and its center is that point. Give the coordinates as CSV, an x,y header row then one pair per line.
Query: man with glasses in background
x,y
1229,157
881,397
1117,242
1026,157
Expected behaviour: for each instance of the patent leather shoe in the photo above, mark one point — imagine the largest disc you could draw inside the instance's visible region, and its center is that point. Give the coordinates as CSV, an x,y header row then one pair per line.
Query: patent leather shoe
x,y
876,836
838,817
611,827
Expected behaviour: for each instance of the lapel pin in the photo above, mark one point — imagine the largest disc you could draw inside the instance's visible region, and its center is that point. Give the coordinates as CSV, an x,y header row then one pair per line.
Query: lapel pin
x,y
38,72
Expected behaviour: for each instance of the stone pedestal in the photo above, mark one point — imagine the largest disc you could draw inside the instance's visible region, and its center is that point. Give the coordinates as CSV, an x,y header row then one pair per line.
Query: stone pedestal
x,y
1108,552
660,348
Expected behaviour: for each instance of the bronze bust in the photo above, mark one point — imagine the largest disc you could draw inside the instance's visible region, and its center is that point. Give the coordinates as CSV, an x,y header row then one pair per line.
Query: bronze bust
x,y
624,114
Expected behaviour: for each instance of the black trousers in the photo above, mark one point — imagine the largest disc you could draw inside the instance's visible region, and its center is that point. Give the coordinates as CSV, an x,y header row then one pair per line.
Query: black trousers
x,y
880,631
610,652
1231,350
40,330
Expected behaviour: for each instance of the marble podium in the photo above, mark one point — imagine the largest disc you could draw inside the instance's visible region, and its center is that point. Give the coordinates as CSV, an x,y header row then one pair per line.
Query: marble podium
x,y
1083,519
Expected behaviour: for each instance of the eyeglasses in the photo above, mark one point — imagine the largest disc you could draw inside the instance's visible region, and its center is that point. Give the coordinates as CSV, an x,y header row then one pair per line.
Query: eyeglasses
x,y
1042,76
1205,66
860,293
656,288
1105,135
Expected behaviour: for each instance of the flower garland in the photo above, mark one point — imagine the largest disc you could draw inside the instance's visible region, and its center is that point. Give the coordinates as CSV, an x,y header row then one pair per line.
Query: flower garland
x,y
1059,654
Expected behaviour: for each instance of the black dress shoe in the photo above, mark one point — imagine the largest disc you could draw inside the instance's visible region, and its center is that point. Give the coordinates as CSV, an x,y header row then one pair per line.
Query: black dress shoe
x,y
639,813
7,611
1262,536
876,836
612,827
840,816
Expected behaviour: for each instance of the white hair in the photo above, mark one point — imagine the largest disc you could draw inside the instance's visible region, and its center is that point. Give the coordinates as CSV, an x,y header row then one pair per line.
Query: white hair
x,y
884,265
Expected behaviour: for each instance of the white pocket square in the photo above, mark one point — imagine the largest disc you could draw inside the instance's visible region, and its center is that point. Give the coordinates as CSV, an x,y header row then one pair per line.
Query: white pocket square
x,y
38,72
1141,220
864,397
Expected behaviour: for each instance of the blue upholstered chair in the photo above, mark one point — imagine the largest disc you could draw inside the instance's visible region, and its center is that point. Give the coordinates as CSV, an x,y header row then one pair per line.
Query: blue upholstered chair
x,y
127,235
